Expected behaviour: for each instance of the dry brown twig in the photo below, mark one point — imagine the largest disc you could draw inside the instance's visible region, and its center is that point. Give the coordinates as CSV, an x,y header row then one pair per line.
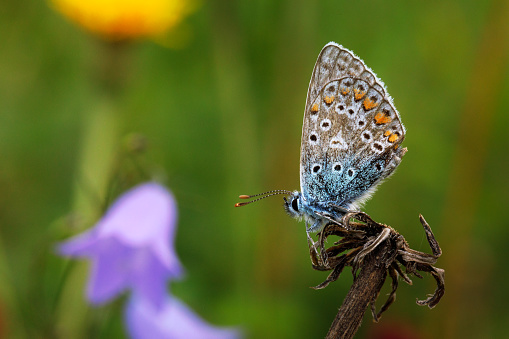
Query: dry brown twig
x,y
373,250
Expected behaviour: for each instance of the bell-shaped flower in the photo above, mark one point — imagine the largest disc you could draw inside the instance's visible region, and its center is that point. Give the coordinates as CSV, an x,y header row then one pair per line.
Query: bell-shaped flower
x,y
131,247
174,320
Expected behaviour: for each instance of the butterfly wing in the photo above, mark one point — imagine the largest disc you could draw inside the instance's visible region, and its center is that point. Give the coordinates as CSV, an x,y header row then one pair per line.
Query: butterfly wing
x,y
351,131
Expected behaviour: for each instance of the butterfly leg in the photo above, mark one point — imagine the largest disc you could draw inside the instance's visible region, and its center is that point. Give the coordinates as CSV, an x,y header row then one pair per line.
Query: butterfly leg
x,y
317,261
316,226
342,209
313,253
327,216
342,224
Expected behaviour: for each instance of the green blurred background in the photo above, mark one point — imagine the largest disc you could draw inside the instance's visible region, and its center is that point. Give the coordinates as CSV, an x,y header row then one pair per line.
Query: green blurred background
x,y
222,116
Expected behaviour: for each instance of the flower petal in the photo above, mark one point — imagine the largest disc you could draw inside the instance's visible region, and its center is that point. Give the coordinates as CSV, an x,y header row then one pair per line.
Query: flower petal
x,y
110,272
145,214
149,279
79,246
119,20
175,321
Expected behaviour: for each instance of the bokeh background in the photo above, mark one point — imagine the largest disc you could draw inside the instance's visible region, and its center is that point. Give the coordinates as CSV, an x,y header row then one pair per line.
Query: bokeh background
x,y
220,107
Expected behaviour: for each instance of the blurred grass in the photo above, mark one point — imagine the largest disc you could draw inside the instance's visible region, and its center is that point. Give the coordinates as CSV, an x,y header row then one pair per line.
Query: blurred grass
x,y
223,117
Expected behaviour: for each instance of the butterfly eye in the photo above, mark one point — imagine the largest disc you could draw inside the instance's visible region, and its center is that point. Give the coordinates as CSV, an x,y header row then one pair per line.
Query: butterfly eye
x,y
295,205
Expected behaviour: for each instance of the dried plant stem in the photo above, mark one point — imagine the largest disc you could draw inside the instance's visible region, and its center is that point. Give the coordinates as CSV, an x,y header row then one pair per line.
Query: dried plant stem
x,y
373,251
365,289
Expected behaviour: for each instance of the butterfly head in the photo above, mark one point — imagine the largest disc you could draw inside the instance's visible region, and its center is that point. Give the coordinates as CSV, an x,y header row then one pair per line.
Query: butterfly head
x,y
299,208
293,205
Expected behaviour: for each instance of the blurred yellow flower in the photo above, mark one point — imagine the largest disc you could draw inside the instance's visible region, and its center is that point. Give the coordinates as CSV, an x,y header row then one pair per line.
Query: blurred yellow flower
x,y
126,19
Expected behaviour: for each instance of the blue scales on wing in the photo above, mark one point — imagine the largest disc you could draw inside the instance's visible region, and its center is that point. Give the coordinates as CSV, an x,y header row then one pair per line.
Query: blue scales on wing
x,y
351,132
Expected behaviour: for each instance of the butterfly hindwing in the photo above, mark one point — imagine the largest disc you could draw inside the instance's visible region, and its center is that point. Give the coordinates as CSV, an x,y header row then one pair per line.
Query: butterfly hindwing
x,y
351,131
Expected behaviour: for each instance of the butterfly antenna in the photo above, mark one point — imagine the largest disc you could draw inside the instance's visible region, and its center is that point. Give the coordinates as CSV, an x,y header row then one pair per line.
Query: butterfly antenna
x,y
265,195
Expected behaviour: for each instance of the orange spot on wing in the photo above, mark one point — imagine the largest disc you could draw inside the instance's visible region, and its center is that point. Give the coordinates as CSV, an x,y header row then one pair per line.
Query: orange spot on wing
x,y
381,118
369,104
387,133
393,137
358,94
345,91
328,100
314,109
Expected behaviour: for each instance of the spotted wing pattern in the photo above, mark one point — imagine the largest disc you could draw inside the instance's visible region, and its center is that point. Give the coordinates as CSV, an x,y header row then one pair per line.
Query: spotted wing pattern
x,y
351,131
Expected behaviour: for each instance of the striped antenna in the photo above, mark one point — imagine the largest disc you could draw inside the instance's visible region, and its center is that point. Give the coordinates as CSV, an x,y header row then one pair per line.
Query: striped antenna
x,y
264,195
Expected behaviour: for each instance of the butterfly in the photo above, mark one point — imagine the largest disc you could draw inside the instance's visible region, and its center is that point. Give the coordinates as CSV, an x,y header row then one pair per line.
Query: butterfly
x,y
351,137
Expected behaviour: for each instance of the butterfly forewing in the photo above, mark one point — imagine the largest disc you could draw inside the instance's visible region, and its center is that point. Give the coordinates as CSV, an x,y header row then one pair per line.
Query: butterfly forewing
x,y
351,130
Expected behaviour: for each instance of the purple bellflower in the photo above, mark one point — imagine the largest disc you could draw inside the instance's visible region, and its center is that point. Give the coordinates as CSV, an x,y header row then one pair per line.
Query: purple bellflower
x,y
131,247
175,320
